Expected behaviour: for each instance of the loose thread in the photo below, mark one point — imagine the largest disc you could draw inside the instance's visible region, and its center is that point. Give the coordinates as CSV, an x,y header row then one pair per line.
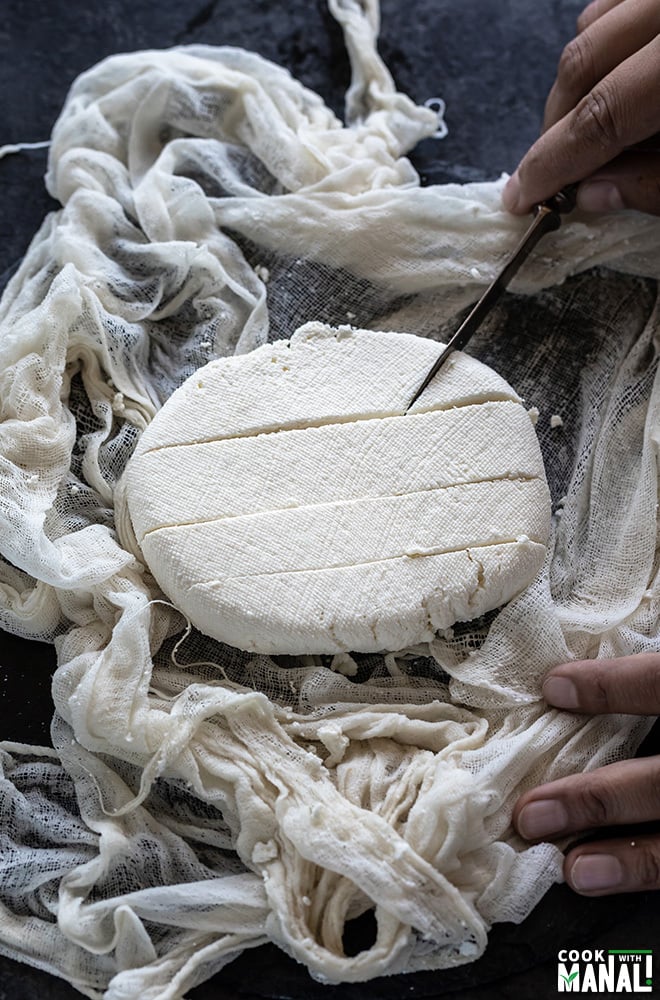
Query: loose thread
x,y
437,105
18,147
197,663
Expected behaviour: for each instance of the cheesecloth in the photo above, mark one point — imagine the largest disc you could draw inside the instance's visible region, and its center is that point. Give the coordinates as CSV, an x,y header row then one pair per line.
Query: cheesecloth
x,y
200,801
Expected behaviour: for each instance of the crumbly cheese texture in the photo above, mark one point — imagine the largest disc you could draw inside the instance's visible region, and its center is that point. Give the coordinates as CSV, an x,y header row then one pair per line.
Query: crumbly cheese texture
x,y
286,503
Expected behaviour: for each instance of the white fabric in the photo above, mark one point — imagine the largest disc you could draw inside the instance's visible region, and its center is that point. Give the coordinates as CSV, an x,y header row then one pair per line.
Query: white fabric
x,y
200,801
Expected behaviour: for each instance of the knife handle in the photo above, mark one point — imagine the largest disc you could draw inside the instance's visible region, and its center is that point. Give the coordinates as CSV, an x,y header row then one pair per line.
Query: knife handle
x,y
564,201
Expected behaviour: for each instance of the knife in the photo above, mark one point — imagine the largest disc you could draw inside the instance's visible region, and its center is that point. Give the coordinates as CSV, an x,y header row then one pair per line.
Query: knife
x,y
547,218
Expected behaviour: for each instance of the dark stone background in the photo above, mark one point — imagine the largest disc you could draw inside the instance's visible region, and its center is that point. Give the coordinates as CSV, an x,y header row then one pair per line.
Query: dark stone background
x,y
493,63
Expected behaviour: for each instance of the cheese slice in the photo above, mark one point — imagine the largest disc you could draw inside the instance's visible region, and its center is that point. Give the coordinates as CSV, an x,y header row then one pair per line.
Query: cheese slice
x,y
285,502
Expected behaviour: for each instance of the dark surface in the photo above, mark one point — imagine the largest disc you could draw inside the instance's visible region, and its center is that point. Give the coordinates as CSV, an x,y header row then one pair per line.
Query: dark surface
x,y
493,64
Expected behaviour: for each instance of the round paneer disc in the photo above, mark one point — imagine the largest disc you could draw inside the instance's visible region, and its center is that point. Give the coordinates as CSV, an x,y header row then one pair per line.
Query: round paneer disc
x,y
286,503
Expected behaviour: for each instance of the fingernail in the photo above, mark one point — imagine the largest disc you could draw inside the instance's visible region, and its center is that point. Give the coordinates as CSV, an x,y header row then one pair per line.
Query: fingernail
x,y
560,692
593,872
542,819
511,193
599,196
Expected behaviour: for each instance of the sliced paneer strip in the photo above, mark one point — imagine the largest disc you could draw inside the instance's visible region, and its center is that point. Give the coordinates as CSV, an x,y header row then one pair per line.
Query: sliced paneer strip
x,y
364,607
247,475
285,503
345,533
320,376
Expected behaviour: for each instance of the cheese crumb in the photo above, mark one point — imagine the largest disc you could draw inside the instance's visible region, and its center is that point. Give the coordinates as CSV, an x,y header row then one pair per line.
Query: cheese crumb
x,y
118,404
556,421
468,949
262,272
343,663
264,851
534,414
334,741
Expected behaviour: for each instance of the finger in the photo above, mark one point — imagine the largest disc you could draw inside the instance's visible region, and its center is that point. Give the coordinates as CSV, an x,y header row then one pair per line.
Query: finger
x,y
595,10
625,864
625,792
630,684
629,182
599,49
621,110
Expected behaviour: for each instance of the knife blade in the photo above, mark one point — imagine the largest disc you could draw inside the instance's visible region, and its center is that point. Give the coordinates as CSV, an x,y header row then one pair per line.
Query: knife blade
x,y
547,218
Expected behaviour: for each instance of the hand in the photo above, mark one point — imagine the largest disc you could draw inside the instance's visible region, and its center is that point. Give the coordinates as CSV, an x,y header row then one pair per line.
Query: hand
x,y
606,99
622,793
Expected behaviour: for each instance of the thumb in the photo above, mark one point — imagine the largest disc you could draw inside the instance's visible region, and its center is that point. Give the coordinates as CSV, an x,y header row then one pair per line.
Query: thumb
x,y
630,181
630,684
